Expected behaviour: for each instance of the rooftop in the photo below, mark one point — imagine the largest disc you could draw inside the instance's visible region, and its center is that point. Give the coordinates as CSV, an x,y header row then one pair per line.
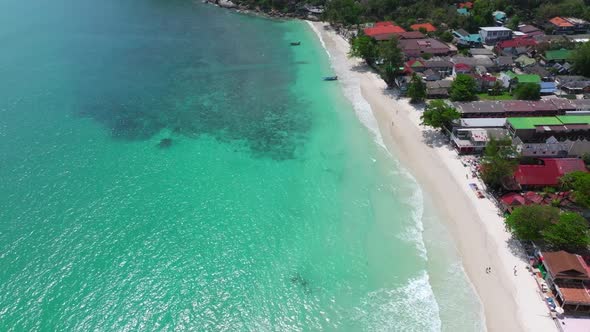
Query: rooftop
x,y
517,42
528,28
483,122
494,29
562,263
528,78
548,174
533,122
561,22
574,119
561,54
426,26
574,293
383,30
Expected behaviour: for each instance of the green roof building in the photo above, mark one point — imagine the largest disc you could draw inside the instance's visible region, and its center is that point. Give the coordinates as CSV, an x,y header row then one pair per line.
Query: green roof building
x,y
558,55
532,122
574,119
528,78
540,128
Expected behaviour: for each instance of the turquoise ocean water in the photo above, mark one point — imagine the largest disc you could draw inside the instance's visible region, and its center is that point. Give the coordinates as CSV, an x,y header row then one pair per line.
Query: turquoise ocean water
x,y
167,165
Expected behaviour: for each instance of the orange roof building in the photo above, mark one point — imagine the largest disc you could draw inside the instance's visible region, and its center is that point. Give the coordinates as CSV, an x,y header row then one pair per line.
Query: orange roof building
x,y
427,26
384,31
561,22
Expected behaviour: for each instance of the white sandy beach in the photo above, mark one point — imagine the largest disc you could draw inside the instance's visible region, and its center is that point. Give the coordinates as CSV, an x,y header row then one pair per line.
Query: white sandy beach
x,y
511,303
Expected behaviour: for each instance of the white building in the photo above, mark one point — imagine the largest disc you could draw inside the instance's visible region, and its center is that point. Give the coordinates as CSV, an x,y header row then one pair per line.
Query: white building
x,y
492,35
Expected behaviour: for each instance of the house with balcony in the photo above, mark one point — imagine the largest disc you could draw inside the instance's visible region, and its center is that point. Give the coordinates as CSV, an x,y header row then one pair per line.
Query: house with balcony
x,y
567,275
492,35
568,25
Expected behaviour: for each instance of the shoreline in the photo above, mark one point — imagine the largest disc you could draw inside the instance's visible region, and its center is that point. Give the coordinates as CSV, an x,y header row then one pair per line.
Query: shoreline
x,y
510,303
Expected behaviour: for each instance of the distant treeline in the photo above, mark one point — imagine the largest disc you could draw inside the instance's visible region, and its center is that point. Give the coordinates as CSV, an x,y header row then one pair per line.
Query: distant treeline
x,y
439,12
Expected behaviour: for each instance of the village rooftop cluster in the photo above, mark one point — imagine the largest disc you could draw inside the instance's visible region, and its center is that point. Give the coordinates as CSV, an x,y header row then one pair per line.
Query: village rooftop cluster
x,y
549,136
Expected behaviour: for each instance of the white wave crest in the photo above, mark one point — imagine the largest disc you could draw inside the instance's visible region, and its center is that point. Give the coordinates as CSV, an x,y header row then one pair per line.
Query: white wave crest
x,y
352,91
411,307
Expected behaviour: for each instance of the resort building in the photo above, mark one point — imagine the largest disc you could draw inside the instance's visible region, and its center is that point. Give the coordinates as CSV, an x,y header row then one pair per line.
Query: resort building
x,y
539,129
554,56
481,51
443,68
530,30
515,47
383,30
492,35
466,39
499,17
411,35
567,275
512,200
423,26
568,25
503,109
438,89
547,172
552,148
471,135
419,47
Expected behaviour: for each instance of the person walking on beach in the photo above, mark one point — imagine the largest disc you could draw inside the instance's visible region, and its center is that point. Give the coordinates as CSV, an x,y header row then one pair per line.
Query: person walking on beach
x,y
514,270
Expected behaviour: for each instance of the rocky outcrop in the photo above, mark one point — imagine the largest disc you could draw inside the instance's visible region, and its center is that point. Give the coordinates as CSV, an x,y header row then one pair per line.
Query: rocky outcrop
x,y
226,4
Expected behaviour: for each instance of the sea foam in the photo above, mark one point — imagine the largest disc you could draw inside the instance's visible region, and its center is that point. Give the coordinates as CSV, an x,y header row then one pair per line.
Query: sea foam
x,y
364,112
382,309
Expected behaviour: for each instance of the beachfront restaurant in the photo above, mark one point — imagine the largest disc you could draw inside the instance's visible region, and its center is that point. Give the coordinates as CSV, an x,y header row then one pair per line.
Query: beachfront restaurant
x,y
474,140
539,129
567,275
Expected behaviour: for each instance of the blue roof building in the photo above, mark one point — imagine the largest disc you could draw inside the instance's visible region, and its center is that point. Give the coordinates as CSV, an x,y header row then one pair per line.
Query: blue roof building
x,y
548,88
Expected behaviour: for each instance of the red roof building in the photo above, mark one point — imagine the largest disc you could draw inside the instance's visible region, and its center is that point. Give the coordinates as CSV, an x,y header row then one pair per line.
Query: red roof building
x,y
384,30
561,22
467,4
548,173
383,24
426,26
417,47
515,43
411,35
414,66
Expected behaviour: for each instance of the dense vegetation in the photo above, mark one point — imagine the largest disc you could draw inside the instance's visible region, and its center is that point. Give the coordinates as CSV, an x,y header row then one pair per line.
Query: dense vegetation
x,y
527,91
438,114
386,57
439,12
581,59
543,223
498,162
406,12
579,182
416,89
463,88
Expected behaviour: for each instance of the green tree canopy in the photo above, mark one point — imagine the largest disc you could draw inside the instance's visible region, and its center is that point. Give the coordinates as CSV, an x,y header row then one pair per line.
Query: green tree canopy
x,y
416,89
527,91
364,47
446,36
463,88
347,12
579,182
581,59
392,59
439,114
498,162
528,222
570,232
